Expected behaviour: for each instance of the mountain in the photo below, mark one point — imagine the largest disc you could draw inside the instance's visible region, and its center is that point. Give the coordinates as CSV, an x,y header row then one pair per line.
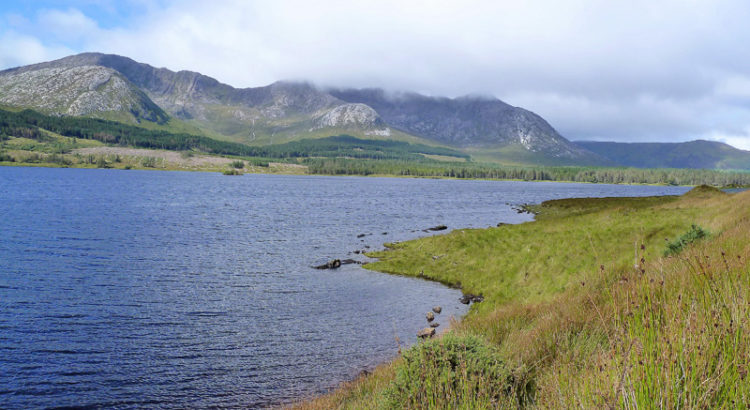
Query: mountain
x,y
464,122
694,154
77,91
116,87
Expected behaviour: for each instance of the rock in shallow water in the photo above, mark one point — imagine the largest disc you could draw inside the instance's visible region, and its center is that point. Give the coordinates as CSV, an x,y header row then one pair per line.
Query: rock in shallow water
x,y
438,228
426,332
336,263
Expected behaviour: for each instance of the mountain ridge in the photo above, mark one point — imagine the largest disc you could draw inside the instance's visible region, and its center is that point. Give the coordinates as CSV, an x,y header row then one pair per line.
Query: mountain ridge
x,y
284,110
697,154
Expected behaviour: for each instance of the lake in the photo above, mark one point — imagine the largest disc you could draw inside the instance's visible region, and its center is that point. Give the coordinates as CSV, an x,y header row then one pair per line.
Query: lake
x,y
175,289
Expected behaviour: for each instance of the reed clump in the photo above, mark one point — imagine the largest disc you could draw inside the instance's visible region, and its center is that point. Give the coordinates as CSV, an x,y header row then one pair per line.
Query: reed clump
x,y
453,371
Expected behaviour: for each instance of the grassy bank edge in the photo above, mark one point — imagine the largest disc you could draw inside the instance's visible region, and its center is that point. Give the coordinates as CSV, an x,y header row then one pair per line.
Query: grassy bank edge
x,y
720,212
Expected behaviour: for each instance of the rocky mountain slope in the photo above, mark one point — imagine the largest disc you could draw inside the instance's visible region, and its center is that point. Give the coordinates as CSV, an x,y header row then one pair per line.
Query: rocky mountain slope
x,y
117,87
465,122
77,91
693,154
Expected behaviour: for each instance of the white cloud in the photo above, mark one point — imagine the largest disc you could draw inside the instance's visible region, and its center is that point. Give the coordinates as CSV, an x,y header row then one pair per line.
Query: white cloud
x,y
635,70
19,49
67,25
740,140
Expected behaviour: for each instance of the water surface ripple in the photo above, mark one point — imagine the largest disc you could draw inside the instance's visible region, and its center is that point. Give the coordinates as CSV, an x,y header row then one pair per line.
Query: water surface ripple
x,y
173,290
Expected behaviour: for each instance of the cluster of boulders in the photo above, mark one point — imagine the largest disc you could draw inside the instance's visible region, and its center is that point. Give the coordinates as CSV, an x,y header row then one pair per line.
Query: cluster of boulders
x,y
430,331
469,298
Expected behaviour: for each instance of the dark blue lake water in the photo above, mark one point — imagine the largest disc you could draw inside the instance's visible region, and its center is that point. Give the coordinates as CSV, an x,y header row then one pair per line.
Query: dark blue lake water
x,y
172,289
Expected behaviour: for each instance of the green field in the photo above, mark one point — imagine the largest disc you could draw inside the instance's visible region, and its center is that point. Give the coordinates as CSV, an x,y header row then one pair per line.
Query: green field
x,y
582,309
31,138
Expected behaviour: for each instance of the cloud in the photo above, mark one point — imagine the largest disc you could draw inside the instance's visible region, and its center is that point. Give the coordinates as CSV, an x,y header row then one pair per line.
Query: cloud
x,y
18,49
740,140
69,25
637,70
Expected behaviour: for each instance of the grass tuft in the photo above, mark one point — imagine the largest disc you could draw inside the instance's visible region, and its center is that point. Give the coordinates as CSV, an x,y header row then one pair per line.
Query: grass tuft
x,y
452,371
694,234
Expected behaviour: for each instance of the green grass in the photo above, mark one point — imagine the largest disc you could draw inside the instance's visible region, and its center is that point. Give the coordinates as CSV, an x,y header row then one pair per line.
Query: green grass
x,y
582,310
526,262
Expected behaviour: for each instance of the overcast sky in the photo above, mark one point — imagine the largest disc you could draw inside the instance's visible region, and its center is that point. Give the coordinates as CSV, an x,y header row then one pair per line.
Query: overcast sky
x,y
604,70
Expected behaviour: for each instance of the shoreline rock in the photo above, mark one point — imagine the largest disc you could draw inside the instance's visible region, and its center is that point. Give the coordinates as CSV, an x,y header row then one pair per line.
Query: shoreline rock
x,y
337,263
471,298
437,228
334,264
425,333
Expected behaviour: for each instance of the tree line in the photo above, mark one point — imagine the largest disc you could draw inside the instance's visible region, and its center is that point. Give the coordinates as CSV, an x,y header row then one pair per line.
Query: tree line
x,y
622,175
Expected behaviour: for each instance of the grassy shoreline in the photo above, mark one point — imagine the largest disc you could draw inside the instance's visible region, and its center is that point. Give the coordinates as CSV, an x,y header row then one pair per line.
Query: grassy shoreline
x,y
582,309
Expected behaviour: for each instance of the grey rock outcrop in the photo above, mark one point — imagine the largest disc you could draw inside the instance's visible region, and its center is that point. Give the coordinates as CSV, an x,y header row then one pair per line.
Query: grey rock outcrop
x,y
77,91
350,115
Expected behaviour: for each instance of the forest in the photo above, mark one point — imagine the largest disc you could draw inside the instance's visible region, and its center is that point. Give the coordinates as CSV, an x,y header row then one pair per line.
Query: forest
x,y
344,166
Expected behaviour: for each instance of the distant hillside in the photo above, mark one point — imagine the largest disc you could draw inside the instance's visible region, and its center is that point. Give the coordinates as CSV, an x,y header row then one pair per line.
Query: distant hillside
x,y
466,121
31,125
119,88
31,138
697,154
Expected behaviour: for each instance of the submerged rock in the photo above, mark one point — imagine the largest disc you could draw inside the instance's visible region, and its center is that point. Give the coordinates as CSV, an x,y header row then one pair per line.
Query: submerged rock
x,y
434,324
438,228
426,332
336,263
